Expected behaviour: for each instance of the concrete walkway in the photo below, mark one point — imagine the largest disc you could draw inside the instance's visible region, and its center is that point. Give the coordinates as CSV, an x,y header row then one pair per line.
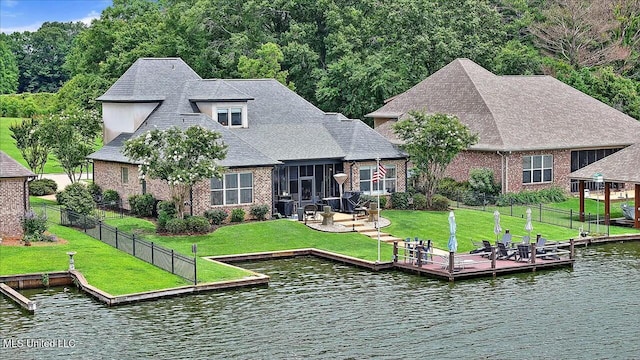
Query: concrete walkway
x,y
63,180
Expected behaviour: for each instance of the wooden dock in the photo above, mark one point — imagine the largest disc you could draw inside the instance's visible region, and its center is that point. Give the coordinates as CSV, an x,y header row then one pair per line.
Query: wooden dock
x,y
464,266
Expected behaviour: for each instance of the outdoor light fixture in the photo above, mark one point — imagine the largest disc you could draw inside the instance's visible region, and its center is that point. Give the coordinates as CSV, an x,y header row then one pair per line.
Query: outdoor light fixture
x,y
340,179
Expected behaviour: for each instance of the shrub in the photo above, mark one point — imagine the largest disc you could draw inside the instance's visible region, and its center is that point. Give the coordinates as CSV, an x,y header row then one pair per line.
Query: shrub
x,y
400,201
166,212
42,187
260,212
142,205
419,201
96,192
527,197
197,224
176,226
451,189
237,215
482,181
77,198
111,197
216,216
439,203
34,226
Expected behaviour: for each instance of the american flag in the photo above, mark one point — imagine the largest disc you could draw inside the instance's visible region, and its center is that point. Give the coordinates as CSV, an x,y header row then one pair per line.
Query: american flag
x,y
379,175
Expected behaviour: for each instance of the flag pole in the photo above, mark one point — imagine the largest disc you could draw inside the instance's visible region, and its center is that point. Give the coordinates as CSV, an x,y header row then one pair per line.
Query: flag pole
x,y
378,215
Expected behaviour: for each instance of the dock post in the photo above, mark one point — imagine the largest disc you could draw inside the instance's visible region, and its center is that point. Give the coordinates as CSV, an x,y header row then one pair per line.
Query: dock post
x,y
419,249
493,261
395,252
571,251
451,261
533,253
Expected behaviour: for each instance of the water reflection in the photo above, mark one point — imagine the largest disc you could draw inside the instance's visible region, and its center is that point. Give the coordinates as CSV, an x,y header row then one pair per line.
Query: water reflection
x,y
319,309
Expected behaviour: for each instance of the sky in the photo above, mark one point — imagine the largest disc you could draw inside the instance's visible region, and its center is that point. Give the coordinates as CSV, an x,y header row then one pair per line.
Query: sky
x,y
28,15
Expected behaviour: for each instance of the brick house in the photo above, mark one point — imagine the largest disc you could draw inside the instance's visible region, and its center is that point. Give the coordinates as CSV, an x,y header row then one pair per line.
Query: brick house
x,y
534,130
14,195
279,145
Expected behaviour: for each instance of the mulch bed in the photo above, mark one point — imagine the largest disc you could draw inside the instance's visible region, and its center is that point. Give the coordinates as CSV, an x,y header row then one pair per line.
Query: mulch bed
x,y
16,241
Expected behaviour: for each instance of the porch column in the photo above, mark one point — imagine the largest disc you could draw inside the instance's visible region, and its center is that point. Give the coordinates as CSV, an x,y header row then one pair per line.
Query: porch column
x,y
607,202
581,190
637,207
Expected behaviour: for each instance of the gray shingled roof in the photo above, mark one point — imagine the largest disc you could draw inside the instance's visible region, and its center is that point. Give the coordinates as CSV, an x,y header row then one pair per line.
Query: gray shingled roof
x,y
9,168
282,125
515,113
621,166
149,79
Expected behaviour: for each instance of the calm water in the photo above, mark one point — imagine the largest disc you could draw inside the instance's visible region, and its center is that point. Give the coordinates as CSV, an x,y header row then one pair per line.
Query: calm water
x,y
318,309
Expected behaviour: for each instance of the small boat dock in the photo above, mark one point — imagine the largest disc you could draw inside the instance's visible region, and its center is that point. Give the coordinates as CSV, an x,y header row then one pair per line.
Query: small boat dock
x,y
415,259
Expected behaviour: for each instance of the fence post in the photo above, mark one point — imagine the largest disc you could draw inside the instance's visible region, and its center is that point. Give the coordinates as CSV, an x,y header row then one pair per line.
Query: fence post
x,y
395,252
172,266
116,237
511,206
195,271
100,229
570,218
589,222
152,263
133,238
540,215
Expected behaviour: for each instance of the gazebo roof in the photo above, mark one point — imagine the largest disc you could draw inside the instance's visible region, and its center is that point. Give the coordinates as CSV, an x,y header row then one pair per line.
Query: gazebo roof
x,y
622,166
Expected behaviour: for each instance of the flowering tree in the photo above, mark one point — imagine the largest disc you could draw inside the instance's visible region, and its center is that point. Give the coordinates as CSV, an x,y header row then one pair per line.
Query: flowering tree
x,y
432,141
33,151
181,158
71,135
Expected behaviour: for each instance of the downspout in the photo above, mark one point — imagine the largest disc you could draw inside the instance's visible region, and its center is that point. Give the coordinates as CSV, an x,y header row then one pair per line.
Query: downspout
x,y
503,172
191,200
406,175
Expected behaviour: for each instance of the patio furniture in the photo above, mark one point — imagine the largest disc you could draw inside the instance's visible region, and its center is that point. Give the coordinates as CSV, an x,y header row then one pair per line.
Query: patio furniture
x,y
503,253
523,253
310,211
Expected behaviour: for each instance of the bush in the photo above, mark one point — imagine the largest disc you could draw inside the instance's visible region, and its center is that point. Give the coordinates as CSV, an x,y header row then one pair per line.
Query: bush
x,y
77,198
419,201
237,215
166,211
451,189
260,212
95,191
439,203
482,181
216,216
111,197
176,226
527,197
400,200
42,187
197,224
142,205
34,226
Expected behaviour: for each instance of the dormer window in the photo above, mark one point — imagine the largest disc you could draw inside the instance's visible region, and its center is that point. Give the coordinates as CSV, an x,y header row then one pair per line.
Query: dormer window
x,y
231,116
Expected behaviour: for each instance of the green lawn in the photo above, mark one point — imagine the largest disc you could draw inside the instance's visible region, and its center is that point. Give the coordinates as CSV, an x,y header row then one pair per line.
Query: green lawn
x,y
8,145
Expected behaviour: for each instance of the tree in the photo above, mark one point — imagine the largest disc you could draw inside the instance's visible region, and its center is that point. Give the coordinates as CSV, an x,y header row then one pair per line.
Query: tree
x,y
432,141
581,32
82,91
71,135
34,151
8,70
266,65
180,157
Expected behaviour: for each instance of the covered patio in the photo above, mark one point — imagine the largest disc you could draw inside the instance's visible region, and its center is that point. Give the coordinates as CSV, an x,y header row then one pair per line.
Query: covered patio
x,y
620,167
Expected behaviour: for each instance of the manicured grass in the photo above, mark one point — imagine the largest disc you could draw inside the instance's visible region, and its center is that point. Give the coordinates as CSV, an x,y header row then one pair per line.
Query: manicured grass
x,y
272,236
103,266
8,145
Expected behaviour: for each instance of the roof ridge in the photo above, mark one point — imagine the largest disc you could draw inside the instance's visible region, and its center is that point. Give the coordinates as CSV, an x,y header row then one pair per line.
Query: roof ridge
x,y
484,100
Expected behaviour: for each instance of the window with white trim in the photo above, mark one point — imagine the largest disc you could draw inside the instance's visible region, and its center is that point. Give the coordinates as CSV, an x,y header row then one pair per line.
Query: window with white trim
x,y
537,169
231,116
232,189
383,186
124,175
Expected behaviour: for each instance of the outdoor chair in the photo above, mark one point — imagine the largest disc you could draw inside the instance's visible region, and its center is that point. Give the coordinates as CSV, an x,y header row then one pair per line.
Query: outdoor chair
x,y
506,239
362,208
548,254
523,253
310,211
485,250
504,253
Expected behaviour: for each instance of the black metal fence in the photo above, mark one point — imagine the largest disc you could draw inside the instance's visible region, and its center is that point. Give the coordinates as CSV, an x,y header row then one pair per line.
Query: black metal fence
x,y
132,244
544,214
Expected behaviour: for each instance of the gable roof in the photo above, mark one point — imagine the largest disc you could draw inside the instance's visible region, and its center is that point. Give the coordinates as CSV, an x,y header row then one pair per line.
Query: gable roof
x,y
9,168
621,166
515,113
282,125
